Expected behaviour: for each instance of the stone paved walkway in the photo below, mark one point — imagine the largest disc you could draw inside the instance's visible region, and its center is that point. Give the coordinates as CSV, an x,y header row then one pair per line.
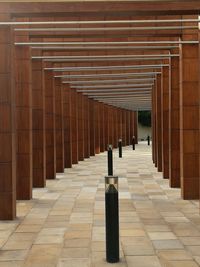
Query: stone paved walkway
x,y
63,226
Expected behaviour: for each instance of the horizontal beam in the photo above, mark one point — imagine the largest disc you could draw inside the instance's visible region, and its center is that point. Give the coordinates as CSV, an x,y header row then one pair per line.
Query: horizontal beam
x,y
103,75
63,48
105,57
103,60
119,97
5,23
105,43
111,81
142,89
113,86
95,29
94,68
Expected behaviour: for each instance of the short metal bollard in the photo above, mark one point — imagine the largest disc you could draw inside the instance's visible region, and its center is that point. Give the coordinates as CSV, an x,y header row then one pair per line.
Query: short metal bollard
x,y
133,142
112,219
110,160
148,140
120,148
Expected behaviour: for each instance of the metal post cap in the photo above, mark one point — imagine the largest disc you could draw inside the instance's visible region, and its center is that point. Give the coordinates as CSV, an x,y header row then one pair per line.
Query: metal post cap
x,y
110,147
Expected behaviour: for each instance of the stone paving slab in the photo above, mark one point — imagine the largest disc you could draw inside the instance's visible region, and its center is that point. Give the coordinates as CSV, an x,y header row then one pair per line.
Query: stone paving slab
x,y
64,224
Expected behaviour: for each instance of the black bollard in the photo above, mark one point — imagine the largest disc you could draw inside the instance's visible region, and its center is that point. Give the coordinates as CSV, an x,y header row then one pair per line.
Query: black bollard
x,y
148,140
133,142
112,219
110,160
120,148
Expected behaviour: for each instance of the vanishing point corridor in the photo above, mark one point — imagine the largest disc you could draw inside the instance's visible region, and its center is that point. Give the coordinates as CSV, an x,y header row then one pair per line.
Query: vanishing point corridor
x,y
64,224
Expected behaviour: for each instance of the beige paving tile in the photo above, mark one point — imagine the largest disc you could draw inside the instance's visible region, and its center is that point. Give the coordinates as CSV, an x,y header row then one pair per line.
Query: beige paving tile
x,y
137,250
13,255
132,232
167,244
175,254
49,239
143,261
11,263
74,263
190,240
43,255
77,243
161,235
183,264
75,253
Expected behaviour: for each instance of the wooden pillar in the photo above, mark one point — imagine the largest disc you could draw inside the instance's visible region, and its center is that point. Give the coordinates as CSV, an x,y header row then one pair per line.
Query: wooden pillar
x,y
174,122
86,127
131,133
123,127
38,118
80,127
97,127
159,122
116,137
189,120
74,126
92,127
120,123
136,126
50,125
106,121
23,80
154,126
67,117
102,132
7,127
110,124
127,127
59,125
165,82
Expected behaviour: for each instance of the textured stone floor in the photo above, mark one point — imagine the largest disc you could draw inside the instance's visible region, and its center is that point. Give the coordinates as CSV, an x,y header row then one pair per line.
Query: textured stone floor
x,y
63,226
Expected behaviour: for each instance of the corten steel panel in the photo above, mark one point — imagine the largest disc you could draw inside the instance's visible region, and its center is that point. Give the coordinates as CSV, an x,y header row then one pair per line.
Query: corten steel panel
x,y
165,83
92,127
80,107
159,123
120,123
59,125
189,121
110,125
97,127
174,152
127,127
115,142
102,137
106,126
67,113
131,133
50,125
7,130
23,82
86,127
74,126
38,120
123,127
136,126
154,126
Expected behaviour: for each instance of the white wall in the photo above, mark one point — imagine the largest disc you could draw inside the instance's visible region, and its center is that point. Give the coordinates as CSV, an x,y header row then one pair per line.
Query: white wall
x,y
143,132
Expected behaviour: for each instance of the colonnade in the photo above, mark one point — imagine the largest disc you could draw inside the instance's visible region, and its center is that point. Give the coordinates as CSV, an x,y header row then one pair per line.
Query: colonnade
x,y
46,126
175,115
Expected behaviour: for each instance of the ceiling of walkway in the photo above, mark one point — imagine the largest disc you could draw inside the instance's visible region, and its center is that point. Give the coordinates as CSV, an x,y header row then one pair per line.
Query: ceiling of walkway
x,y
110,51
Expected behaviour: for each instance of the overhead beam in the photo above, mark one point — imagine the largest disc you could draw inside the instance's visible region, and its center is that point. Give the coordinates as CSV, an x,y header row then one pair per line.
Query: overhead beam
x,y
94,68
